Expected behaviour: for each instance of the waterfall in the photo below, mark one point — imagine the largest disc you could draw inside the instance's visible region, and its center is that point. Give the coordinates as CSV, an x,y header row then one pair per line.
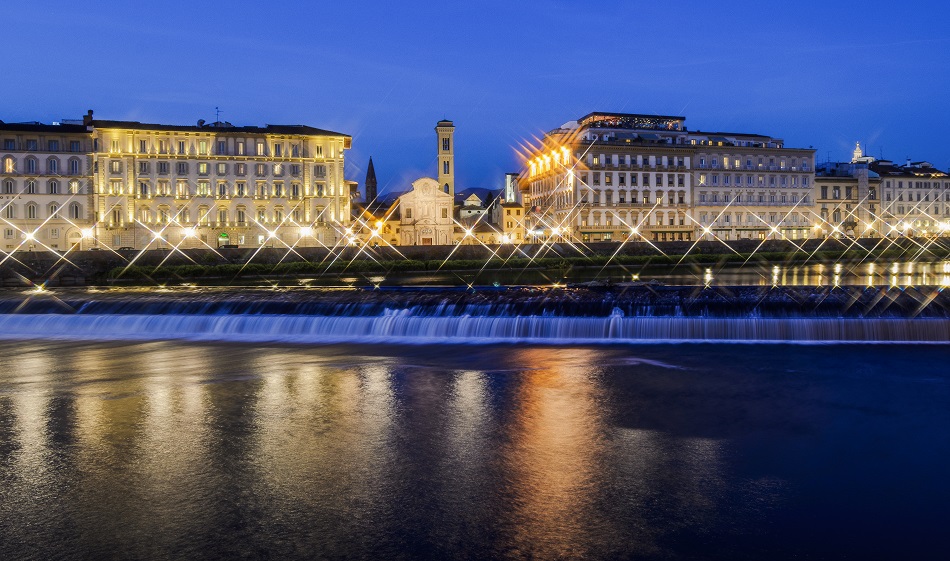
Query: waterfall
x,y
402,326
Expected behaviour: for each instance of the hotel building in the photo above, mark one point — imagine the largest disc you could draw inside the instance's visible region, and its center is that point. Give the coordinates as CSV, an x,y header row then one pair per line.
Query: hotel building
x,y
125,184
609,176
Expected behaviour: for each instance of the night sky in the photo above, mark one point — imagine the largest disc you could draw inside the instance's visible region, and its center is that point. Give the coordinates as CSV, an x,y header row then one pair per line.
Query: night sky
x,y
821,74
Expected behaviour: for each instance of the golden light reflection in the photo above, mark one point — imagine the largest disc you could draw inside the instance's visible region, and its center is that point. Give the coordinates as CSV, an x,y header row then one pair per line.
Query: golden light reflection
x,y
555,452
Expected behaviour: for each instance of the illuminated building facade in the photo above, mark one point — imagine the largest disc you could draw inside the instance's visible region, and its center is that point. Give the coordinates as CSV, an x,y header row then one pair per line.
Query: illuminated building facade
x,y
115,184
218,184
609,176
916,198
45,185
848,199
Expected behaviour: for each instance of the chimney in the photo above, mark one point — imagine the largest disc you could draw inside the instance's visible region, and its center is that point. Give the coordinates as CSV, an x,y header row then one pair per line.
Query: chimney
x,y
201,122
908,162
87,118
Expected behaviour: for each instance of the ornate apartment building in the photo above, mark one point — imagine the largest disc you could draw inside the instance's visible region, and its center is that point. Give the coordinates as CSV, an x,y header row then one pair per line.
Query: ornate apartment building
x,y
118,184
608,176
45,185
916,198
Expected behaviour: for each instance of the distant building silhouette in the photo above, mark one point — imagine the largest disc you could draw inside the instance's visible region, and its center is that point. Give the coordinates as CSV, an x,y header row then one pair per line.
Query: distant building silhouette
x,y
370,183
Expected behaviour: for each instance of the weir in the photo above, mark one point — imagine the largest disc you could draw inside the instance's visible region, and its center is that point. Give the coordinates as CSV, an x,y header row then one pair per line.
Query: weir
x,y
401,326
579,315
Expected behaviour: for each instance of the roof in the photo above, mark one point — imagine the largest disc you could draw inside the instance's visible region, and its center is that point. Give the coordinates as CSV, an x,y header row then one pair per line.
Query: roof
x,y
40,127
631,116
303,130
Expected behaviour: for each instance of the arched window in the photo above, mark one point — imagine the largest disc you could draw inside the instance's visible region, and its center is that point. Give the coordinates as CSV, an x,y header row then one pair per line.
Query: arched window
x,y
54,210
222,216
74,166
53,187
75,211
52,165
31,211
10,211
8,187
31,187
278,215
31,165
9,165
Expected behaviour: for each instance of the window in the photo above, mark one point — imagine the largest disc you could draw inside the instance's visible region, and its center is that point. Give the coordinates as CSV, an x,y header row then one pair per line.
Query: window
x,y
445,144
445,168
182,168
295,150
181,147
320,171
222,216
295,191
115,166
10,211
115,187
261,170
114,145
31,212
204,189
203,147
203,168
73,167
222,169
261,148
30,165
143,167
222,190
240,169
8,187
278,168
445,213
295,170
222,147
143,190
31,145
30,187
162,147
53,145
74,146
143,146
9,144
163,168
241,218
9,165
52,165
240,148
409,213
277,150
53,187
241,189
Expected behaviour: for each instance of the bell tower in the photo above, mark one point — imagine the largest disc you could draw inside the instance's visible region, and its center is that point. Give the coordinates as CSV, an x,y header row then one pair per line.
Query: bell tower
x,y
446,131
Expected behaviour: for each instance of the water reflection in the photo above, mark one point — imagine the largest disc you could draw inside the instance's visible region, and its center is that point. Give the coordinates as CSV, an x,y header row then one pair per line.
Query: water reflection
x,y
175,450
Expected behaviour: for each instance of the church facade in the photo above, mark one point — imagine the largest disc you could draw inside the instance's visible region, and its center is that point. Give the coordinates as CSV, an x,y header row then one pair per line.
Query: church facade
x,y
426,212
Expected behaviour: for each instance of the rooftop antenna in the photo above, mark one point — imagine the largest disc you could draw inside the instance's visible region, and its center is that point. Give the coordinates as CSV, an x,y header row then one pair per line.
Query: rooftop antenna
x,y
217,114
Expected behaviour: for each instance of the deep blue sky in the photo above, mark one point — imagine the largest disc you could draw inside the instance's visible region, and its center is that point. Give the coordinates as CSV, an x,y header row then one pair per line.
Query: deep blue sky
x,y
821,74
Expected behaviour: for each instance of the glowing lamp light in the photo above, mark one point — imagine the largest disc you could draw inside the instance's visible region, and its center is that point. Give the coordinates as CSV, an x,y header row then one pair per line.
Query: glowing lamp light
x,y
306,231
271,235
29,236
158,236
468,232
86,232
189,232
634,231
506,239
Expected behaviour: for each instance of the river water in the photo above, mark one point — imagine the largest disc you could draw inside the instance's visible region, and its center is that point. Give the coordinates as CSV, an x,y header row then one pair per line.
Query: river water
x,y
190,450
